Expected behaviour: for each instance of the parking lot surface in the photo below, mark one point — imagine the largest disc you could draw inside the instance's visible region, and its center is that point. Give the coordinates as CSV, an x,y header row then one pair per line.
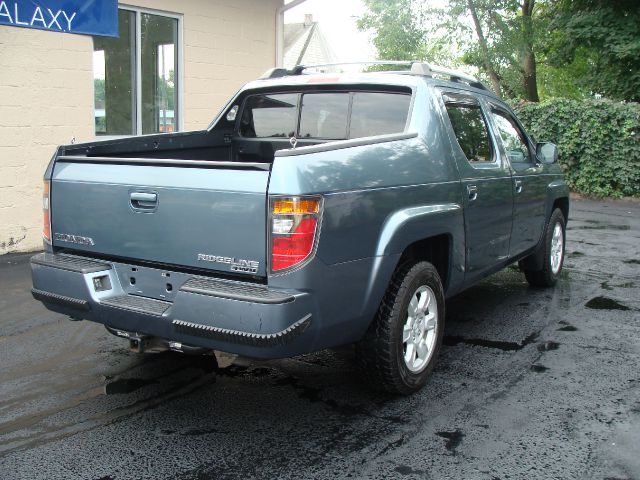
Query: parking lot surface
x,y
530,384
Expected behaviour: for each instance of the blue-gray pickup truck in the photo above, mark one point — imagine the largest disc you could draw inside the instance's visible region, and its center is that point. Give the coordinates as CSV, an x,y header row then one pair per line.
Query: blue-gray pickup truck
x,y
317,210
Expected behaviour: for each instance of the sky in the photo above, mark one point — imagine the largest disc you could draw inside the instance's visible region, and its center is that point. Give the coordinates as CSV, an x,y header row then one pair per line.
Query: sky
x,y
337,19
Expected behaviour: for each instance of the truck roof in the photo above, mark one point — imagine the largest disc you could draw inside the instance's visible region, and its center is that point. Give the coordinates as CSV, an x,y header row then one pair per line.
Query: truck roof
x,y
417,71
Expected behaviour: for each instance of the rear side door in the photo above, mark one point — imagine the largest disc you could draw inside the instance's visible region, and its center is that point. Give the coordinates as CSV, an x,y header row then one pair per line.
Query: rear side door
x,y
529,184
486,184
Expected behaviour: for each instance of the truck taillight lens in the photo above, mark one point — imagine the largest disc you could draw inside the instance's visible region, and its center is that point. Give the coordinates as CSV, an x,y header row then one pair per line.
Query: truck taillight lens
x,y
46,212
294,226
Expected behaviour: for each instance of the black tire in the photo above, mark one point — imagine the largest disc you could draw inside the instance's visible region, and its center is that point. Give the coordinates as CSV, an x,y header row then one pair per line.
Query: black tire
x,y
381,352
547,277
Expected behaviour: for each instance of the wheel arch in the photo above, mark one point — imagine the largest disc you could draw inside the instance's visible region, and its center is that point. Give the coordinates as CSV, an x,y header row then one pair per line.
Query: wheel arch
x,y
434,233
558,197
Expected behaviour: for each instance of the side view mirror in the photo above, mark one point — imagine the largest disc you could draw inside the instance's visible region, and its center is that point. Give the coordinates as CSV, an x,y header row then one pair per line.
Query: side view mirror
x,y
547,152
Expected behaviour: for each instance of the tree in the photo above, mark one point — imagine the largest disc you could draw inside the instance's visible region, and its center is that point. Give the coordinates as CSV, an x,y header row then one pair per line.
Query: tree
x,y
600,37
496,36
398,34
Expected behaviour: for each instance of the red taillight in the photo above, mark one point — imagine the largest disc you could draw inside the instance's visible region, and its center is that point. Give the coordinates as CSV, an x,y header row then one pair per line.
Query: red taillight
x,y
46,213
294,222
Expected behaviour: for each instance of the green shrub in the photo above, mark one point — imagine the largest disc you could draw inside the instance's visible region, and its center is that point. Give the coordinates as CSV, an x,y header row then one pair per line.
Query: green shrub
x,y
598,142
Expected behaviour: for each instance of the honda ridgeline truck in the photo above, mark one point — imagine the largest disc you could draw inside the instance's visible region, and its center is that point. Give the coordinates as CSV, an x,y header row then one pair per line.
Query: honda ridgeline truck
x,y
317,210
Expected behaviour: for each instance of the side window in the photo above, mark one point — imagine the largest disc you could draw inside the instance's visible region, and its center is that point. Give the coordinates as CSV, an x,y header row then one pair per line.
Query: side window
x,y
512,138
470,129
378,113
324,115
270,116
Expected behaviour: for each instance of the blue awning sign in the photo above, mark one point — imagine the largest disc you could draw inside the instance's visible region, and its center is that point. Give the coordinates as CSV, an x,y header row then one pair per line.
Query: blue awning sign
x,y
89,17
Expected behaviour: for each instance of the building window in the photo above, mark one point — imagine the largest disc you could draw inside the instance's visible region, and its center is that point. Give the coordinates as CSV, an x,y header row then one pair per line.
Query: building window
x,y
136,77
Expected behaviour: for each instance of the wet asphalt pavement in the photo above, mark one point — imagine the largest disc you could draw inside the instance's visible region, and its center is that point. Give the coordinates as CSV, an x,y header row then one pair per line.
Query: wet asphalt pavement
x,y
530,384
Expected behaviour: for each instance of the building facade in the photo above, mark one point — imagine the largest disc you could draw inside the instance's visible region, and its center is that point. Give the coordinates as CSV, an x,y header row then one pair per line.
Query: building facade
x,y
172,67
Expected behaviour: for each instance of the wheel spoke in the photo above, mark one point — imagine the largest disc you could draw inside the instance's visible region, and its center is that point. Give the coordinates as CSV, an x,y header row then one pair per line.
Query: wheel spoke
x,y
423,304
413,306
410,353
430,322
406,333
422,350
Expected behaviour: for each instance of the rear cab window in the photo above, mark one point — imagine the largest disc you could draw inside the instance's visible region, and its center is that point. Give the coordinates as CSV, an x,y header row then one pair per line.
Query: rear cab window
x,y
269,116
327,115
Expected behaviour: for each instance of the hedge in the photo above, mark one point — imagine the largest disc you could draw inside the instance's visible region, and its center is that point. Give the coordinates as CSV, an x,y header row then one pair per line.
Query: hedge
x,y
598,142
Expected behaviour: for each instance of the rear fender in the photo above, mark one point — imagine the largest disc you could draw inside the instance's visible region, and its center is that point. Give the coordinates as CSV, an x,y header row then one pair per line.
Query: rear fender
x,y
407,226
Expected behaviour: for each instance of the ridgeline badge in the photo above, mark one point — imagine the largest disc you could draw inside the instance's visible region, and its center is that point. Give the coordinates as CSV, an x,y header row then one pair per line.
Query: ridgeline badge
x,y
237,265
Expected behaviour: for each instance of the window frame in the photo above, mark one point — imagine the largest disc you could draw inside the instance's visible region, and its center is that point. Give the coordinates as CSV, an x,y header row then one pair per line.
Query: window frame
x,y
495,162
300,93
533,159
137,86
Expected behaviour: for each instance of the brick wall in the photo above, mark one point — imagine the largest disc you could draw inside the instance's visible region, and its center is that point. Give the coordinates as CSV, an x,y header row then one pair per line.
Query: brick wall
x,y
46,93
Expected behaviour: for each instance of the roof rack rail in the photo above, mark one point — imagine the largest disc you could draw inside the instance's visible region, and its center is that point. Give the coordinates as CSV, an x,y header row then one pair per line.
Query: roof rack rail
x,y
415,68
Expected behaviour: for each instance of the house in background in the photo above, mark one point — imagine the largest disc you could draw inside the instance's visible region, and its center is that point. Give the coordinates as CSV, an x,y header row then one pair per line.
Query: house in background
x,y
305,44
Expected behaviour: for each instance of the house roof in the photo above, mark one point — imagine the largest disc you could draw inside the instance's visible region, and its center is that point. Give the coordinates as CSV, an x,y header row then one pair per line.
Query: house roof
x,y
305,44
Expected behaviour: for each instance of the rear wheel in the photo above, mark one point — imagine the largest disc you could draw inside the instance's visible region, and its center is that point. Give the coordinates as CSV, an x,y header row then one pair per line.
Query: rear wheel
x,y
399,350
553,254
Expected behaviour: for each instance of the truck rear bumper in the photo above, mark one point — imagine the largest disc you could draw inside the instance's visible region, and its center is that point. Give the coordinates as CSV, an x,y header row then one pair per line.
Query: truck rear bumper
x,y
238,317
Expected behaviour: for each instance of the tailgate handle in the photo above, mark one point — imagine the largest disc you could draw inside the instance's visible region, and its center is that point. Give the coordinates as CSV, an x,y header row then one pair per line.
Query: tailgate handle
x,y
143,201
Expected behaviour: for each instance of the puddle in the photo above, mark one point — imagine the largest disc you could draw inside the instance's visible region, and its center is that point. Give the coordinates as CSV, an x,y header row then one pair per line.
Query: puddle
x,y
547,346
633,261
606,286
453,340
127,385
314,395
405,470
198,432
567,328
453,439
605,303
539,368
600,227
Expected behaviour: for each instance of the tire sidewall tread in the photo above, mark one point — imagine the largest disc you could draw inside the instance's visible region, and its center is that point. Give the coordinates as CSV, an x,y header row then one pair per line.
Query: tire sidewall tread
x,y
380,352
545,277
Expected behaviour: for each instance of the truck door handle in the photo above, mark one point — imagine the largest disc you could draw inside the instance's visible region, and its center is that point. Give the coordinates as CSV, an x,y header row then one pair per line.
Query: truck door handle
x,y
472,191
518,186
143,201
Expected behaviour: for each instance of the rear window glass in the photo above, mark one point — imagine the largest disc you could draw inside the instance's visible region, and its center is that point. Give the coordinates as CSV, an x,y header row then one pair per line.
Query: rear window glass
x,y
378,114
270,116
326,115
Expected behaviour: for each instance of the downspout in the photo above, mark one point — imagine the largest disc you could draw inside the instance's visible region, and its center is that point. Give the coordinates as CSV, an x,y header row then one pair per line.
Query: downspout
x,y
280,29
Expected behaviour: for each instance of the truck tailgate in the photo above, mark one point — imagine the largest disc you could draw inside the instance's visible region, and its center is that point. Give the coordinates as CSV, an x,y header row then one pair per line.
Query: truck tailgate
x,y
192,214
